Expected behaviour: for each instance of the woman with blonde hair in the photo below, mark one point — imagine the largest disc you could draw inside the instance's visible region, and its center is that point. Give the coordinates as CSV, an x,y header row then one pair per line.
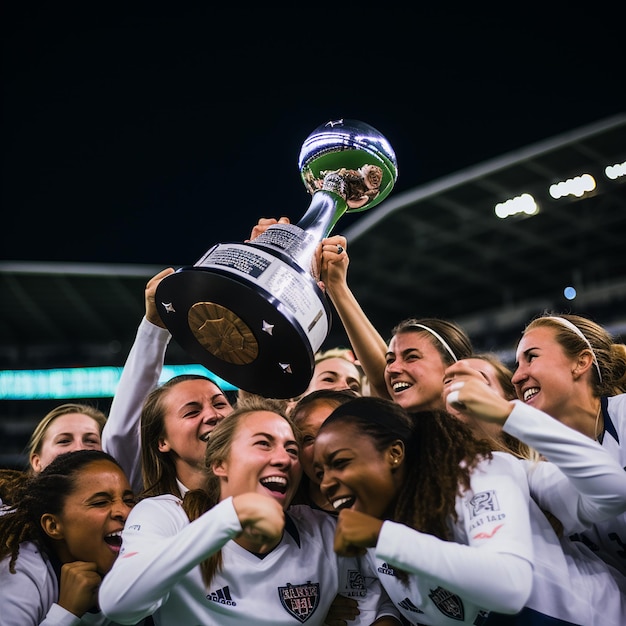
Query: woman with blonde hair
x,y
571,368
67,427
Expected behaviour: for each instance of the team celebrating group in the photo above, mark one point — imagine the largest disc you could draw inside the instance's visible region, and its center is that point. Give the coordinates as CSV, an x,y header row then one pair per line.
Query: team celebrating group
x,y
414,482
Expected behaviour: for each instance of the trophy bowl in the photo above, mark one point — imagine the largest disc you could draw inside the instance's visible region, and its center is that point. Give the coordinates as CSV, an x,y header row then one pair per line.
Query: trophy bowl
x,y
253,313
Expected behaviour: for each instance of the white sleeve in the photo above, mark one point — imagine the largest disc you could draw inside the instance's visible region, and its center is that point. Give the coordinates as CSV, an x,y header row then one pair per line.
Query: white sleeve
x,y
159,547
495,568
28,597
58,616
589,485
140,375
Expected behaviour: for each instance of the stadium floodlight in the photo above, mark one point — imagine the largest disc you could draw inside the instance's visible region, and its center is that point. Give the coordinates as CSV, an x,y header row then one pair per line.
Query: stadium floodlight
x,y
524,203
615,171
577,186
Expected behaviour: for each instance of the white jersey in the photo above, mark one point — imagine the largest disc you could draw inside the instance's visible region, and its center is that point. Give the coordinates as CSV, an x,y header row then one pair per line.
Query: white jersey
x,y
516,563
608,539
582,484
157,571
29,597
140,375
598,520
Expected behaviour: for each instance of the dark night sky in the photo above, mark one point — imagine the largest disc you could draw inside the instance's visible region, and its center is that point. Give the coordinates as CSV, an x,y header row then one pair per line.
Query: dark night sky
x,y
146,136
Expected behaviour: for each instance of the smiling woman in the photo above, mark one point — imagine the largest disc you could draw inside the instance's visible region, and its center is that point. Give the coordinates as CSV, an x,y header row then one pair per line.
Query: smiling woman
x,y
61,538
236,551
450,524
176,420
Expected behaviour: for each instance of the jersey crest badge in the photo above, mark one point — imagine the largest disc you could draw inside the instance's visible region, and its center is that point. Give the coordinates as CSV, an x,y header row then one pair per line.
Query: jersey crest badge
x,y
483,502
300,600
355,587
448,603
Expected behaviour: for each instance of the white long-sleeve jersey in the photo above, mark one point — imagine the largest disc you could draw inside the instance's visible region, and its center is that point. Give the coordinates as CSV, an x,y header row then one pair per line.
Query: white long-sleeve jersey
x,y
505,558
140,375
29,597
591,502
158,571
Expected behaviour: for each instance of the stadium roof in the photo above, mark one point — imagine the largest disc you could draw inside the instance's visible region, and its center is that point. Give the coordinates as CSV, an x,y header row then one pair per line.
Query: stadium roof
x,y
441,251
437,250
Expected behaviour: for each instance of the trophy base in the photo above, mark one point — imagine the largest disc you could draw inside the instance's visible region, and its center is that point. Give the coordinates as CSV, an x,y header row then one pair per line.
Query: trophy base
x,y
238,330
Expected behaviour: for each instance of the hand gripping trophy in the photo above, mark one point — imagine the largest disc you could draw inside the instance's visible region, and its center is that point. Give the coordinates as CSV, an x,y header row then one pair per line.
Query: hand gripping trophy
x,y
253,312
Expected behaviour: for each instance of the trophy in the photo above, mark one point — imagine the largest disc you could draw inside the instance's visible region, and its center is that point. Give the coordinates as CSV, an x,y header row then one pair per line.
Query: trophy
x,y
253,313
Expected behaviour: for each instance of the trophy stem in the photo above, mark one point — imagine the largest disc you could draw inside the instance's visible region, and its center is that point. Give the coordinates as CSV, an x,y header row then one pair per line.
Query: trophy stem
x,y
323,213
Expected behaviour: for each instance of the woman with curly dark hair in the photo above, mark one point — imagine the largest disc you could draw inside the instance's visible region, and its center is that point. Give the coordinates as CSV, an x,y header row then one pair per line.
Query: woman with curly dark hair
x,y
60,538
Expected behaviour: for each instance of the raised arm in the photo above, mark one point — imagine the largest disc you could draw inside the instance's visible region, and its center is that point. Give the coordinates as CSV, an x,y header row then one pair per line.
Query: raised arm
x,y
368,345
160,547
493,570
140,375
588,484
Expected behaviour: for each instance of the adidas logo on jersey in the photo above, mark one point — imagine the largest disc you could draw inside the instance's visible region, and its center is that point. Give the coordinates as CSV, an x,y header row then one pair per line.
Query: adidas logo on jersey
x,y
386,569
222,596
407,605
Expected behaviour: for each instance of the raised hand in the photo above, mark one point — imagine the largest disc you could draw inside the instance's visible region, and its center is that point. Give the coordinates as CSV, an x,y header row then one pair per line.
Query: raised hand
x,y
466,392
264,223
334,262
262,519
355,532
152,314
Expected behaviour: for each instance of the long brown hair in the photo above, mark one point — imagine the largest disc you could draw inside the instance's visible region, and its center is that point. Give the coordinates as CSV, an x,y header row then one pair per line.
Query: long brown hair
x,y
455,338
198,501
158,469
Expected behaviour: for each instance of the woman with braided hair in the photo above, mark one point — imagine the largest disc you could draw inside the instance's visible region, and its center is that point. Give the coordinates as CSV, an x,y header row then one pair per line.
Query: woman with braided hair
x,y
60,539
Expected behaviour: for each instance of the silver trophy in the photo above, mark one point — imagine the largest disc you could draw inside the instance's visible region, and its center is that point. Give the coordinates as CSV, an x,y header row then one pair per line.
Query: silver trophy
x,y
253,312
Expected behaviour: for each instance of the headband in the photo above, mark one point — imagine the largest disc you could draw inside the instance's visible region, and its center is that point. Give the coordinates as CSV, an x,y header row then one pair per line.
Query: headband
x,y
571,326
441,340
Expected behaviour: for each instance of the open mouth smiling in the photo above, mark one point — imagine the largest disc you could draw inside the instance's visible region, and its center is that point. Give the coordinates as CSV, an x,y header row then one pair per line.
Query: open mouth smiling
x,y
344,502
275,483
114,540
400,386
529,393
